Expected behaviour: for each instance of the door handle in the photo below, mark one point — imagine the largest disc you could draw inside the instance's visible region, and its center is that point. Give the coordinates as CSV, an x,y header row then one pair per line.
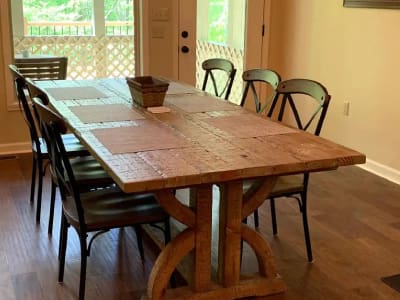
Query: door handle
x,y
185,49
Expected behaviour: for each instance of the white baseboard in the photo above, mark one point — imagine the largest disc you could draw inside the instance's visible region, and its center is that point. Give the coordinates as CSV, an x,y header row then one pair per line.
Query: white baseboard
x,y
15,148
382,170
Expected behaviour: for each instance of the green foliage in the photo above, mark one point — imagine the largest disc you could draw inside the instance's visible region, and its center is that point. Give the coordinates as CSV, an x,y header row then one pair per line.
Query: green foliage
x,y
76,10
121,10
58,10
218,17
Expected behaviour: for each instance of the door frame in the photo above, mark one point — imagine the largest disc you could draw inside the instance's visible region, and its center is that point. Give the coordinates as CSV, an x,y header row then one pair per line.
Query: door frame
x,y
258,58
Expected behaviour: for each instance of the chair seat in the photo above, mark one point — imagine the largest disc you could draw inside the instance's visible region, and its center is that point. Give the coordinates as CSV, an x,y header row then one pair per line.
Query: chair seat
x,y
72,146
111,208
285,185
88,172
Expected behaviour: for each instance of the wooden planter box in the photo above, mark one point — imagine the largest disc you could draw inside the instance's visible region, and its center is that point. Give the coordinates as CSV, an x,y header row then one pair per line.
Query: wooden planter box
x,y
147,91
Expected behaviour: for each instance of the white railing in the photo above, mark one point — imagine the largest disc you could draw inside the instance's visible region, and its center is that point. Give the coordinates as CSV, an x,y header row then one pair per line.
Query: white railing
x,y
82,28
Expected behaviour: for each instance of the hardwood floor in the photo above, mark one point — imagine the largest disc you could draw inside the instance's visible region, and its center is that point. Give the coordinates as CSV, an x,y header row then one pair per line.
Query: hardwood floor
x,y
354,221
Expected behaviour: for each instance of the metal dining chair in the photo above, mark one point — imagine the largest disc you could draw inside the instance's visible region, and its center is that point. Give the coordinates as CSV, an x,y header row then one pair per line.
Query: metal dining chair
x,y
263,76
219,70
94,211
292,94
38,145
89,174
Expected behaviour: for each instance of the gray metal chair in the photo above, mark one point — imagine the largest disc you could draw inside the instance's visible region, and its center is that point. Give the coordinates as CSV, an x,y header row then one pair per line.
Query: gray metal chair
x,y
295,186
211,67
263,76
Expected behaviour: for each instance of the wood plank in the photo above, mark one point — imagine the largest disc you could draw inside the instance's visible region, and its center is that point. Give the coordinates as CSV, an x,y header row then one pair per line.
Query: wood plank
x,y
230,218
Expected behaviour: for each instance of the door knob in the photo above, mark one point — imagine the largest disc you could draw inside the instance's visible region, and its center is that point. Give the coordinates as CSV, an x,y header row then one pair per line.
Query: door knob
x,y
185,49
185,34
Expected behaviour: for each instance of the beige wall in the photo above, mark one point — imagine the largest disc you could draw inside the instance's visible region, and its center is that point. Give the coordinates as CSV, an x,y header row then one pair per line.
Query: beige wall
x,y
12,128
355,53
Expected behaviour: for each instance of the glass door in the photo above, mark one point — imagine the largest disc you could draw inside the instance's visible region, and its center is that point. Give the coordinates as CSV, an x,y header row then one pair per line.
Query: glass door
x,y
221,26
231,29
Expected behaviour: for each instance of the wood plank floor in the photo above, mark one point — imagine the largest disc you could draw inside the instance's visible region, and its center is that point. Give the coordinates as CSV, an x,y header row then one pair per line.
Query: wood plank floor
x,y
354,224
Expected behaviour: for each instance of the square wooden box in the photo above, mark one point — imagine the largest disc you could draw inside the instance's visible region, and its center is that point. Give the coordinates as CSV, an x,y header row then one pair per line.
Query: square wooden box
x,y
147,91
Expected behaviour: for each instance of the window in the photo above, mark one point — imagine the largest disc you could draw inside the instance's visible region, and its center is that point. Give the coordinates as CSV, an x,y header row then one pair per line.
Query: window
x,y
97,36
58,17
118,17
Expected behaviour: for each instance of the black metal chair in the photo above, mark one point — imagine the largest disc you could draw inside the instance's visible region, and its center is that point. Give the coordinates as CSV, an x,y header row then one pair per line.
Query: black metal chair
x,y
89,174
93,211
292,94
263,76
38,145
219,69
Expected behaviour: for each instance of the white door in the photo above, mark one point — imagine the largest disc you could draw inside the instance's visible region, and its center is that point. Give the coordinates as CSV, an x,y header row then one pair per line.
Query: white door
x,y
187,41
233,29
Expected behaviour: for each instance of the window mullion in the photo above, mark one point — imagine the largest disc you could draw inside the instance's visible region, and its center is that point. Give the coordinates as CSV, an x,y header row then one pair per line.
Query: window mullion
x,y
99,18
18,18
236,23
202,20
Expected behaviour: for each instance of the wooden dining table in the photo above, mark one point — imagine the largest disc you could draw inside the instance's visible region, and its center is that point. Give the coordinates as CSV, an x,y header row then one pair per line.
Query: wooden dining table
x,y
195,141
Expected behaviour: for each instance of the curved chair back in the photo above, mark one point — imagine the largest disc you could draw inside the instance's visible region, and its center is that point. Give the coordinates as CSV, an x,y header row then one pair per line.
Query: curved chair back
x,y
266,76
46,68
211,68
316,91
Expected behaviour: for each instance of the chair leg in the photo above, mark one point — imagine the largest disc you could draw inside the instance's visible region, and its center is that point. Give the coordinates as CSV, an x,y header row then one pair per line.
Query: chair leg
x,y
39,192
139,241
84,254
305,225
52,202
241,244
167,232
62,248
256,222
273,216
33,180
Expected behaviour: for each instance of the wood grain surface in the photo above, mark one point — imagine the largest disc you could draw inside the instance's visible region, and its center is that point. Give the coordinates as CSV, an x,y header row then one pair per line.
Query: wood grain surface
x,y
224,144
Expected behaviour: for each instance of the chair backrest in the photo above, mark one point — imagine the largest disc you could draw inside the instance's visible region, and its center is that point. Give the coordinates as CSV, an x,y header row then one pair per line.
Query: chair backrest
x,y
211,67
46,68
269,77
287,91
37,92
21,91
53,126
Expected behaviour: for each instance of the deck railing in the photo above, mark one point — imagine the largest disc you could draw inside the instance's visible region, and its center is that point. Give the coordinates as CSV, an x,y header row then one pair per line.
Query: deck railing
x,y
89,55
82,28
